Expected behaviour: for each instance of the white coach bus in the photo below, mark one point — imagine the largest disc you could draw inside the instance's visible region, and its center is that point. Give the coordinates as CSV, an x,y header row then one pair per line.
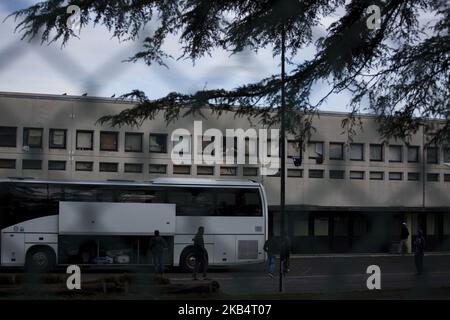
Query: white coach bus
x,y
47,223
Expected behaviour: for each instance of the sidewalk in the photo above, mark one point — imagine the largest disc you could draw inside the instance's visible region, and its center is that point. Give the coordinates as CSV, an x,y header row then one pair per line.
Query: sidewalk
x,y
363,255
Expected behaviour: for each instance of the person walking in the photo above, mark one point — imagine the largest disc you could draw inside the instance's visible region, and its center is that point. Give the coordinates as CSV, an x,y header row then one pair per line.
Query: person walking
x,y
404,235
285,253
270,247
200,254
419,252
157,246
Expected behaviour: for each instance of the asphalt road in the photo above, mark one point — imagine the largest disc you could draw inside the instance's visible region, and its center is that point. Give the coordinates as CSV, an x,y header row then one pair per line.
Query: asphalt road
x,y
309,277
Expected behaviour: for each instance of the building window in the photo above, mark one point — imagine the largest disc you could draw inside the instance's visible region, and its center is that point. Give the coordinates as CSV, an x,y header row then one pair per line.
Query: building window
x,y
32,137
84,166
32,164
447,177
413,154
8,137
413,176
250,172
109,141
336,151
337,174
158,143
357,175
57,165
57,139
228,171
157,168
376,175
376,152
395,175
447,155
133,142
295,173
7,163
205,170
315,150
85,140
357,151
181,169
109,166
433,177
395,153
432,155
293,149
133,167
316,174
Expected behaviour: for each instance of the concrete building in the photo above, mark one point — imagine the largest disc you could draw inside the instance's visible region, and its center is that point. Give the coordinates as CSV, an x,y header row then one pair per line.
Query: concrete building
x,y
343,197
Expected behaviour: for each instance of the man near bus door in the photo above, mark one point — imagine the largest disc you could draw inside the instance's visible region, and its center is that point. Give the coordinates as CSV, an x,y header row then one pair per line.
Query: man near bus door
x,y
200,254
419,252
270,247
157,246
404,235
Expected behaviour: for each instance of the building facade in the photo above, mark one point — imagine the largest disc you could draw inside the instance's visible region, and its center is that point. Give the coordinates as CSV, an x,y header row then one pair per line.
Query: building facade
x,y
342,196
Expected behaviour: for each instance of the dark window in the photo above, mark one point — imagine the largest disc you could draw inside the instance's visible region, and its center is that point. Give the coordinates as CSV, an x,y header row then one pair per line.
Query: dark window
x,y
433,177
57,139
295,173
133,167
357,151
181,169
205,170
447,177
238,202
8,137
249,171
376,175
133,142
446,155
157,168
376,152
336,151
337,174
413,154
228,171
56,165
357,175
395,175
395,153
85,140
109,166
316,174
413,176
109,141
7,163
32,164
84,166
432,155
32,137
158,143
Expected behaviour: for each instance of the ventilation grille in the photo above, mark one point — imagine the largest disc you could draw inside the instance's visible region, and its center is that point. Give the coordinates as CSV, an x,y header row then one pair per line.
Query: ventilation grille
x,y
247,249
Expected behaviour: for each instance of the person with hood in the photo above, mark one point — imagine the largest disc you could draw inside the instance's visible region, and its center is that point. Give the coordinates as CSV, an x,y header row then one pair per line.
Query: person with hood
x,y
404,235
419,251
200,254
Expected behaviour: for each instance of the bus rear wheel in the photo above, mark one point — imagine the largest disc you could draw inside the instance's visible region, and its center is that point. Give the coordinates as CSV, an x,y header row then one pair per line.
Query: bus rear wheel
x,y
40,259
187,259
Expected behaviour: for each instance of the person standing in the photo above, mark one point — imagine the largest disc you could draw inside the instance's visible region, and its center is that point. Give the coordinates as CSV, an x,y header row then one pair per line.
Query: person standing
x,y
157,246
419,252
270,247
404,235
285,253
200,254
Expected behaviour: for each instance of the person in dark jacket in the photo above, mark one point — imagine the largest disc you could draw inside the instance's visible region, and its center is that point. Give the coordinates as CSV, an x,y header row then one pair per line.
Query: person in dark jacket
x,y
271,248
419,252
200,254
157,246
404,235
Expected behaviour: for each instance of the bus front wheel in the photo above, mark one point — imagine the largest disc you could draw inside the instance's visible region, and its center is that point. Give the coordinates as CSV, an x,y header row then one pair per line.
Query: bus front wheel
x,y
40,259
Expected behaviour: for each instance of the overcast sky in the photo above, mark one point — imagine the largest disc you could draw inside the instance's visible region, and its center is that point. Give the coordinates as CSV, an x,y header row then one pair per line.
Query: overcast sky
x,y
93,64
